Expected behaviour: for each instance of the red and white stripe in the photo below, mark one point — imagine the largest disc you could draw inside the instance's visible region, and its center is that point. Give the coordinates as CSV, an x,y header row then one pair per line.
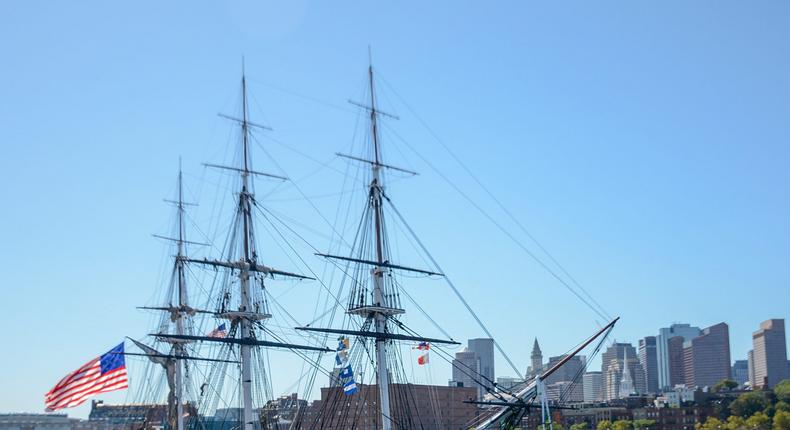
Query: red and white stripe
x,y
83,383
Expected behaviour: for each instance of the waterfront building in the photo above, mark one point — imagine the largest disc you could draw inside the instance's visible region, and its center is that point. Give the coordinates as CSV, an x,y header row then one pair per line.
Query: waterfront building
x,y
678,418
36,422
770,354
706,358
675,397
413,406
591,416
664,356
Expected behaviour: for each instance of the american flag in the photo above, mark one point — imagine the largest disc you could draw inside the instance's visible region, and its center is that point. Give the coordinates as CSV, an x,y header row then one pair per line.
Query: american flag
x,y
100,375
423,359
218,332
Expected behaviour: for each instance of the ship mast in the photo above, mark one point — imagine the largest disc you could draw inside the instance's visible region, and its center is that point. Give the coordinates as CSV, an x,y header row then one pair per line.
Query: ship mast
x,y
178,347
379,300
173,362
244,273
384,303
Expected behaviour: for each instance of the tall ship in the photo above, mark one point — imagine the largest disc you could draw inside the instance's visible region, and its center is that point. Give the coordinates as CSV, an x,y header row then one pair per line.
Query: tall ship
x,y
208,354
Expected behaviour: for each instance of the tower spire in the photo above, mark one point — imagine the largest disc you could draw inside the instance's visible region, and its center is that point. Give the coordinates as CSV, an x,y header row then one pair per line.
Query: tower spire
x,y
536,359
626,382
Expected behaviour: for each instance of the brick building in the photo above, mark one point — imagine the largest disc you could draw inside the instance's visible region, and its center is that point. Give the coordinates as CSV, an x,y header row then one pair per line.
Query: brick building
x,y
683,418
412,406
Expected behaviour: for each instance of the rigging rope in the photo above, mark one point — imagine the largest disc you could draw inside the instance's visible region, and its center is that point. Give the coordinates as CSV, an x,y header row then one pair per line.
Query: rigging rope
x,y
585,297
493,197
507,233
451,284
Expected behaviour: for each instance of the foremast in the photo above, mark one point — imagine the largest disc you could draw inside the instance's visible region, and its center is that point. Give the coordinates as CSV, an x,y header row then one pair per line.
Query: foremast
x,y
174,361
249,312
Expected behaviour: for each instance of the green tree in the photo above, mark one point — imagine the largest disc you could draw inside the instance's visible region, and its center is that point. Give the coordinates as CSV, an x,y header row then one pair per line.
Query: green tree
x,y
782,406
711,423
781,420
580,426
782,391
604,425
734,422
622,425
747,404
554,426
725,385
758,421
644,424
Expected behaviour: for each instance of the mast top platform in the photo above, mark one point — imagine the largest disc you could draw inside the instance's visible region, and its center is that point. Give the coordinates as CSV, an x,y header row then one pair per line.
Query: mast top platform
x,y
245,171
237,315
373,110
245,122
367,310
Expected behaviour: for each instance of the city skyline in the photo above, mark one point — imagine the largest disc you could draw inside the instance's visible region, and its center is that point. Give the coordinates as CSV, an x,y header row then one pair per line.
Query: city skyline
x,y
699,359
651,166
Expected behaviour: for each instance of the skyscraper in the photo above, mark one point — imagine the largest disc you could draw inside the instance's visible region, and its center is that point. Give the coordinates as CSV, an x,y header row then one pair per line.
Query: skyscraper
x,y
770,354
677,375
571,371
612,362
484,348
706,358
649,359
466,367
593,387
740,372
686,332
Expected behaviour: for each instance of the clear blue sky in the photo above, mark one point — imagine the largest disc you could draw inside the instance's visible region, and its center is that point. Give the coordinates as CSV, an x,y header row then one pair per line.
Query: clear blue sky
x,y
646,144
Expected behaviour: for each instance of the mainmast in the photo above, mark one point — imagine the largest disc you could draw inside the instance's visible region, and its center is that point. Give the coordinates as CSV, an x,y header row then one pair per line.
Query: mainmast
x,y
379,300
382,304
244,273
